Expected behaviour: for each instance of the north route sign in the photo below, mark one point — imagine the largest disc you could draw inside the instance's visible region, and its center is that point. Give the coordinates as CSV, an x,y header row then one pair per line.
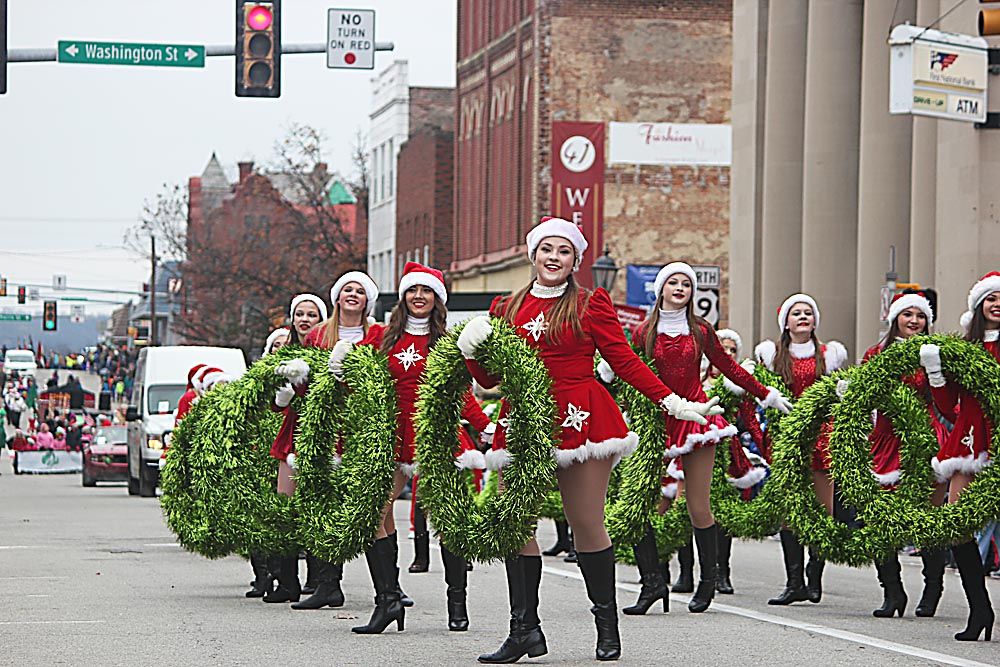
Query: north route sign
x,y
125,53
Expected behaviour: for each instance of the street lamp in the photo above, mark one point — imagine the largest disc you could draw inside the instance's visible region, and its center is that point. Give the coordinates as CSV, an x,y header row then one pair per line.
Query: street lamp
x,y
603,271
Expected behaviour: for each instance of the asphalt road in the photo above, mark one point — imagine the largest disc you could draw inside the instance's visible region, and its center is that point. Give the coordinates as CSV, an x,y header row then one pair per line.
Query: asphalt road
x,y
93,577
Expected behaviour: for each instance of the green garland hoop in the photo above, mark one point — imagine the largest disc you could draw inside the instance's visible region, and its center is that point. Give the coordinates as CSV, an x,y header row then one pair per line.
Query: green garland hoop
x,y
506,521
905,514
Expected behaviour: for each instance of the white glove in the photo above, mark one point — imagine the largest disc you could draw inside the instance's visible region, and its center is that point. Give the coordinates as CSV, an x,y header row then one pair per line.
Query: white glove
x,y
295,371
749,365
776,400
842,386
486,435
284,395
681,408
930,359
291,461
473,335
605,372
337,356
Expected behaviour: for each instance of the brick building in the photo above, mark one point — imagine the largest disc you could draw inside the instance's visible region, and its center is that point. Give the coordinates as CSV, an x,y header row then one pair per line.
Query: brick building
x,y
525,66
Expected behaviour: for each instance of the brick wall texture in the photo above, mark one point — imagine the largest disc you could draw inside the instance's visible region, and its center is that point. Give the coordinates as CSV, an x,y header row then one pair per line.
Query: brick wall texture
x,y
424,211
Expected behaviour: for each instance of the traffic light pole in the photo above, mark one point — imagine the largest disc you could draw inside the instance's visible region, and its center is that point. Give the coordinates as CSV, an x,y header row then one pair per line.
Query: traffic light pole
x,y
50,55
152,292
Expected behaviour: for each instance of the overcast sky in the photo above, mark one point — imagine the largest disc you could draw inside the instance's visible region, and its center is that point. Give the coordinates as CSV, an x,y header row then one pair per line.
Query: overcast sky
x,y
83,146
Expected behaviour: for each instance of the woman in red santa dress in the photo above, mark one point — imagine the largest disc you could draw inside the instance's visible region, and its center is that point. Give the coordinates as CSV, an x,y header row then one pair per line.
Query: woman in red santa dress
x,y
965,451
566,325
417,322
675,338
910,314
800,359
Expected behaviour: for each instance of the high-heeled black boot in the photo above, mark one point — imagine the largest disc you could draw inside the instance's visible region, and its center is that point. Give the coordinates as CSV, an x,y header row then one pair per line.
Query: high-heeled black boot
x,y
723,584
598,570
287,574
524,575
456,577
814,577
981,617
562,540
328,593
708,558
933,571
685,580
385,577
653,586
795,585
262,579
421,543
403,597
309,587
571,553
893,595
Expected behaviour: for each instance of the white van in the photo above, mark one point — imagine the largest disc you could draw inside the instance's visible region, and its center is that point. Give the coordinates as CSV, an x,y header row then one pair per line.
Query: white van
x,y
20,361
160,381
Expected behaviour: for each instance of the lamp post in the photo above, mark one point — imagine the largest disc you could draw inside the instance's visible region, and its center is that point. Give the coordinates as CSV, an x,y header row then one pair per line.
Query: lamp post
x,y
604,270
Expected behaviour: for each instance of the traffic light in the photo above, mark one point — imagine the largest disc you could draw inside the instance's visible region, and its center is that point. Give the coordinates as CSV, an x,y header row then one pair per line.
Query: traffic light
x,y
22,295
3,46
50,318
989,20
258,48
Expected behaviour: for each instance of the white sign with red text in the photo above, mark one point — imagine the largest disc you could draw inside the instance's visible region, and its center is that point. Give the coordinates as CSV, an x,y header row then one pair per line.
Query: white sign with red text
x,y
670,143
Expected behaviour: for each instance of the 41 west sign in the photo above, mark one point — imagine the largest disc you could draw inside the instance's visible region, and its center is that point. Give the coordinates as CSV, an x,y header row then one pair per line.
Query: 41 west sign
x,y
123,53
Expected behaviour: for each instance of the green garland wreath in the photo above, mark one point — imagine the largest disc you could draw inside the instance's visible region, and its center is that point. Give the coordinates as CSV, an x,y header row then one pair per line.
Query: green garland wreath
x,y
505,522
905,514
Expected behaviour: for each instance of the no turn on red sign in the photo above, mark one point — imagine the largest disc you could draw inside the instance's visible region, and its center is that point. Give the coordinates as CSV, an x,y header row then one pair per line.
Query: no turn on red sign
x,y
350,39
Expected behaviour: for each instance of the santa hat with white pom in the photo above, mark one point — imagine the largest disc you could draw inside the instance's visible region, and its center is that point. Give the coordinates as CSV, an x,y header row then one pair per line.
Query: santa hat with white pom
x,y
987,285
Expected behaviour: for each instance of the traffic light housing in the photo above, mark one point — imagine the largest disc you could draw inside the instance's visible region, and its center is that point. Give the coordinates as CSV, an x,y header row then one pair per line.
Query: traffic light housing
x,y
50,316
989,20
258,48
3,287
22,295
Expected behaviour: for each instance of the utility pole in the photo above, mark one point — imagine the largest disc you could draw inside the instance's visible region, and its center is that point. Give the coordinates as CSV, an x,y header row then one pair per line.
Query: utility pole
x,y
152,291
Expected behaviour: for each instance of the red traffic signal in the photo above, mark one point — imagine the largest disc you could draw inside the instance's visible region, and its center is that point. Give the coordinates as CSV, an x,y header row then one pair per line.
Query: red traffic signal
x,y
259,18
22,295
258,48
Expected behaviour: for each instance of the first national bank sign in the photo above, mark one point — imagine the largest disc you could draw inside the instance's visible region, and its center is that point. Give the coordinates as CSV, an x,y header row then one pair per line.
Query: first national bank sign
x,y
938,74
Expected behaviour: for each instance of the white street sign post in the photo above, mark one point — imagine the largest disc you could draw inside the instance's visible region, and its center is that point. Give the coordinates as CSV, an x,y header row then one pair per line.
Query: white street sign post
x,y
350,39
59,282
76,314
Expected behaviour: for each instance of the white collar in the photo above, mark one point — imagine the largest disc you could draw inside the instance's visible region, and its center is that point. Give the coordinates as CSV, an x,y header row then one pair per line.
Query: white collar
x,y
991,335
352,334
418,326
545,292
673,323
802,350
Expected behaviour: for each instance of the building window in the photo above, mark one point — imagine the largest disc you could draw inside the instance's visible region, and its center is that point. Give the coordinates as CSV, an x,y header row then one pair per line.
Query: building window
x,y
391,162
374,173
427,255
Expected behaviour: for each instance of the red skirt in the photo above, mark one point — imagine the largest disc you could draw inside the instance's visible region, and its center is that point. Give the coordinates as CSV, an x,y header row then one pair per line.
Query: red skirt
x,y
967,447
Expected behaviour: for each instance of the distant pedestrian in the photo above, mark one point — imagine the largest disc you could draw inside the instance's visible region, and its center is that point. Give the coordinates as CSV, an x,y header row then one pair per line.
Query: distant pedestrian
x,y
15,406
119,390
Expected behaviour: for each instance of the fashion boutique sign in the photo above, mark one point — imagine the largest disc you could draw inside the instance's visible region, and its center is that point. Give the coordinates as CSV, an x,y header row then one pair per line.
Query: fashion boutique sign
x,y
578,183
670,144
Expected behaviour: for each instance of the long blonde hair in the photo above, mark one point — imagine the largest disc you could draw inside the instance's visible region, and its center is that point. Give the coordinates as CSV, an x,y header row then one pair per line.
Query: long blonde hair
x,y
566,312
330,329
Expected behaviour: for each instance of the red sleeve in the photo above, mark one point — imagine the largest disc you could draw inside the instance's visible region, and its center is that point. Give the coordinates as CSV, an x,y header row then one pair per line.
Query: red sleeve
x,y
473,413
748,418
183,406
614,348
481,375
728,366
871,352
374,335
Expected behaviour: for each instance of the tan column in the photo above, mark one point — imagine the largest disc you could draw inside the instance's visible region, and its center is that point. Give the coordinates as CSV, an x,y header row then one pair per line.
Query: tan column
x,y
883,176
923,181
749,51
781,266
830,163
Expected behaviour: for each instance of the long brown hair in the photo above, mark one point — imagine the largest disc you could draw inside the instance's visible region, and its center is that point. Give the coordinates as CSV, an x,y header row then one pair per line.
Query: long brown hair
x,y
977,327
397,324
330,329
566,312
783,357
695,324
893,334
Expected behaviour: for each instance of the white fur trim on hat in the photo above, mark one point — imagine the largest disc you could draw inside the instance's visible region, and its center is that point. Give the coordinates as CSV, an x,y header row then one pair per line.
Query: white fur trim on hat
x,y
977,294
764,353
787,304
557,227
911,301
273,337
320,305
212,379
418,276
363,279
835,356
669,270
729,334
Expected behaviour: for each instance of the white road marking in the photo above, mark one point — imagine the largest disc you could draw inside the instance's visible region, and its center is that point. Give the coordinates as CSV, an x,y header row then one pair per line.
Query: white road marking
x,y
21,546
29,578
815,628
162,544
48,622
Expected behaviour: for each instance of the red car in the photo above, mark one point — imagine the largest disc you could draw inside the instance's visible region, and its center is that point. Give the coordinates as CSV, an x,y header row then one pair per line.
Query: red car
x,y
106,458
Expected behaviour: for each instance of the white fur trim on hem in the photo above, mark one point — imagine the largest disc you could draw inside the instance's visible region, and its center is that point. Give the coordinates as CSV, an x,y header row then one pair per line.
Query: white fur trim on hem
x,y
714,434
335,461
613,448
835,356
408,469
887,478
764,353
497,459
752,478
969,465
471,459
674,471
669,492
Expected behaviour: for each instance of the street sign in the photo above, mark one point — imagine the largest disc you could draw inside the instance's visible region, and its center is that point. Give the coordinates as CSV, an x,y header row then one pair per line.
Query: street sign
x,y
14,317
121,53
708,276
33,293
59,282
350,39
76,314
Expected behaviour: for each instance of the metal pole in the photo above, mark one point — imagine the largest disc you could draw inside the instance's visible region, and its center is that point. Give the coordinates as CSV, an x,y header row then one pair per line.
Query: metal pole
x,y
49,55
152,293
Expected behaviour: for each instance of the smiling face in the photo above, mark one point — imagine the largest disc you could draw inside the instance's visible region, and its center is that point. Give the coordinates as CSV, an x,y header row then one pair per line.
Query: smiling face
x,y
910,322
676,292
801,320
352,299
991,310
305,317
554,260
419,300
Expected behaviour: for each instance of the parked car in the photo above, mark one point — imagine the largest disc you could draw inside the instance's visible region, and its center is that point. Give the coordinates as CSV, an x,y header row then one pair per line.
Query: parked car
x,y
106,458
20,361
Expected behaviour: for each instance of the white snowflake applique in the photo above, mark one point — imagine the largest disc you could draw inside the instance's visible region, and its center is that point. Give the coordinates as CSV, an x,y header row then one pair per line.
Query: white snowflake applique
x,y
970,440
575,417
536,326
409,357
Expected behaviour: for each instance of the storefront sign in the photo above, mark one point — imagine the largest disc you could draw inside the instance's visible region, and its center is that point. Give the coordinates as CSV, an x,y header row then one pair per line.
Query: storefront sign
x,y
670,143
578,183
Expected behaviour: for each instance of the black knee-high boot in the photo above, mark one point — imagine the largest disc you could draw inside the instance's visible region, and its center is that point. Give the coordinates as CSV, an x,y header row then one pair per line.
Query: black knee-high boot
x,y
653,586
795,584
723,583
286,571
312,569
262,579
708,558
598,570
563,543
421,543
328,593
981,617
685,579
456,577
524,575
381,558
933,571
404,598
893,595
814,576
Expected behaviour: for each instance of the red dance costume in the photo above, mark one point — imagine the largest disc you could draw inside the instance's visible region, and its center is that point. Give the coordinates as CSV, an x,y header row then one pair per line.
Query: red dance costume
x,y
591,424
